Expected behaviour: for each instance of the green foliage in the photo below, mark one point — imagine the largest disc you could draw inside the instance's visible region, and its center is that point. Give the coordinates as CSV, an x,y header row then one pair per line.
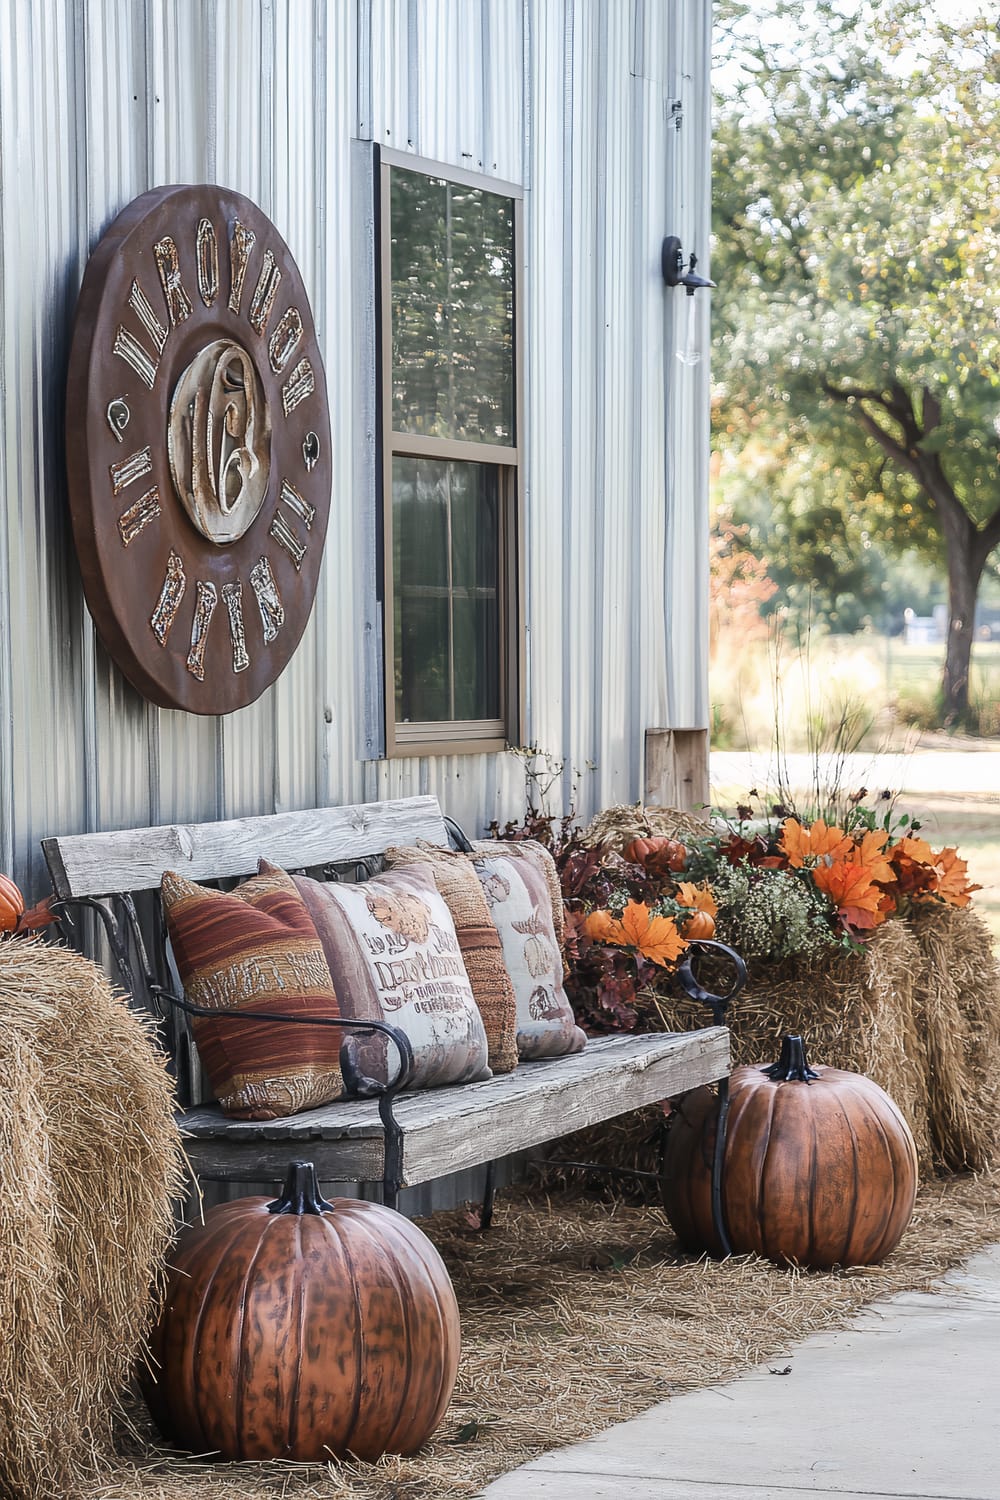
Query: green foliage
x,y
856,248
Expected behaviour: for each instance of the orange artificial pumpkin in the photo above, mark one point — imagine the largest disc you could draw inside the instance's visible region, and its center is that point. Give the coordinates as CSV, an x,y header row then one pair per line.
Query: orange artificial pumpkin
x,y
302,1329
639,850
664,853
819,1167
11,904
700,924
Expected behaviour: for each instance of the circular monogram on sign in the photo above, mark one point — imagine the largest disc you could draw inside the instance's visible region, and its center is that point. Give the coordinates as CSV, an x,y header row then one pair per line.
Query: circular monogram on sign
x,y
219,441
198,448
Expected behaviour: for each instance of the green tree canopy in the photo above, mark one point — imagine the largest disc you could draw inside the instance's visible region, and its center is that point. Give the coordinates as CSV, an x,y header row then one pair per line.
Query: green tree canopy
x,y
856,250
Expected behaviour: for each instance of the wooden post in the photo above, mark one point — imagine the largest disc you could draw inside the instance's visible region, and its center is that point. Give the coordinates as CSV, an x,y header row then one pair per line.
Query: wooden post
x,y
676,769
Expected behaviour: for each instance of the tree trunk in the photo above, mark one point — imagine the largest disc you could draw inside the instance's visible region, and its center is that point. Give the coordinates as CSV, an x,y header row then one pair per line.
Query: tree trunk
x,y
964,573
967,545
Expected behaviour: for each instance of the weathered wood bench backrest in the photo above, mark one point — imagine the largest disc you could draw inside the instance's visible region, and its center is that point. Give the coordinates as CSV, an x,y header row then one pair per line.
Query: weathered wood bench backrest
x,y
115,874
104,864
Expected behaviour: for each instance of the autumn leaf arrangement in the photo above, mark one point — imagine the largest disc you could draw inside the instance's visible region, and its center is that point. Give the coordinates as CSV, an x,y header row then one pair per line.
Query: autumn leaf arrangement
x,y
801,886
629,919
776,889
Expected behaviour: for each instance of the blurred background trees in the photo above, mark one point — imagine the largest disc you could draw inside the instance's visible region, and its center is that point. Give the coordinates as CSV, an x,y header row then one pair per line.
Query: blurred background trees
x,y
857,320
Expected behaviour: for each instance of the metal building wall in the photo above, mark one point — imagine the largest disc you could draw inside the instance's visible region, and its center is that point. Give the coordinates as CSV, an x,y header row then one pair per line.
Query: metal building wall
x,y
102,99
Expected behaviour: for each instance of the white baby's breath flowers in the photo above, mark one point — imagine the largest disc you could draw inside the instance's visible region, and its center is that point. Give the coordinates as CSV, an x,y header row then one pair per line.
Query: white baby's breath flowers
x,y
770,914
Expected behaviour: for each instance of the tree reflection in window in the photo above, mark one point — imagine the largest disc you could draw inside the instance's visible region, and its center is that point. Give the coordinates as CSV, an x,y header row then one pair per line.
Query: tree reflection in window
x,y
452,310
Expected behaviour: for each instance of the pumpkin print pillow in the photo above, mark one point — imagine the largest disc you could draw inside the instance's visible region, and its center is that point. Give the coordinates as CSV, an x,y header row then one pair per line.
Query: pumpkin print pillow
x,y
479,941
394,956
536,854
256,949
520,902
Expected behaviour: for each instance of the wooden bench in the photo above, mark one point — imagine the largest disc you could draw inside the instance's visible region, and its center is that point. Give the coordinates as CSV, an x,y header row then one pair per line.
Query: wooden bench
x,y
402,1139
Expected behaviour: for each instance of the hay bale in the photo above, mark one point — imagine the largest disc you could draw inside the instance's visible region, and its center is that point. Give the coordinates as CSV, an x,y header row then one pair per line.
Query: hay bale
x,y
918,1010
614,827
957,997
90,1160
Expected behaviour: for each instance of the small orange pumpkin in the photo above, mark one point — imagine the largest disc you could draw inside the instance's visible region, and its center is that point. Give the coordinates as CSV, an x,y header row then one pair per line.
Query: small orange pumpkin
x,y
11,904
639,850
700,924
664,852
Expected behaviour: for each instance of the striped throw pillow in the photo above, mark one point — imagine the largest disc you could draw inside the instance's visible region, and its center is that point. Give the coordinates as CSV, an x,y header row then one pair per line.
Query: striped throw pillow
x,y
256,949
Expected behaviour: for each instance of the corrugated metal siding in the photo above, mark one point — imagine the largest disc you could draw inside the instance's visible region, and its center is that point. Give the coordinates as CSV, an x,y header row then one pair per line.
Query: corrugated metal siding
x,y
103,99
616,591
687,391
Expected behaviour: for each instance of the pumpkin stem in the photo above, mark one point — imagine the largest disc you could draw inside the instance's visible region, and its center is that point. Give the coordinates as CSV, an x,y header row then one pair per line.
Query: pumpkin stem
x,y
300,1194
791,1065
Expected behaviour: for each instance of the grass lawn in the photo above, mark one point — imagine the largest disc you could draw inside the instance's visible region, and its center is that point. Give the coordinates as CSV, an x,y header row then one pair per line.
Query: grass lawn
x,y
876,687
913,673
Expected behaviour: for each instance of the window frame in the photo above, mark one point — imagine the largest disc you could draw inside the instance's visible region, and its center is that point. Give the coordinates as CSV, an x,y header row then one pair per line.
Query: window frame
x,y
461,736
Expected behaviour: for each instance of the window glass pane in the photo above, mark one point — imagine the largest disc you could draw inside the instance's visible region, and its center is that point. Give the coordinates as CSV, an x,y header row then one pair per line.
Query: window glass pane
x,y
446,560
475,531
452,259
421,570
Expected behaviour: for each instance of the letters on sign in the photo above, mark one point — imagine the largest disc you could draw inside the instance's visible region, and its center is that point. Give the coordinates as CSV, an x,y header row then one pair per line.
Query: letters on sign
x,y
199,448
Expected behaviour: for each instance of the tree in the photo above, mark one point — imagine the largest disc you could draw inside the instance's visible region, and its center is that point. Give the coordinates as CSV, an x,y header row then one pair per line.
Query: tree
x,y
739,585
856,252
796,508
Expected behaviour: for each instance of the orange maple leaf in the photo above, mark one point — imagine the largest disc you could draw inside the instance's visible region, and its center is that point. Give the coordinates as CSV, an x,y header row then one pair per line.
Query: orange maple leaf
x,y
656,938
818,842
698,897
870,852
953,886
913,863
916,849
652,936
853,892
602,927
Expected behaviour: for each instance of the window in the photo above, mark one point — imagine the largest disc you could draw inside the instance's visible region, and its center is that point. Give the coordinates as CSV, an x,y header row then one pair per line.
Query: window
x,y
451,497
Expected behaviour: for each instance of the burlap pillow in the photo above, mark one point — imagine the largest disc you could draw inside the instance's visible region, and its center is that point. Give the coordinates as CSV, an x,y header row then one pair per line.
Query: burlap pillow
x,y
520,902
482,953
255,948
394,956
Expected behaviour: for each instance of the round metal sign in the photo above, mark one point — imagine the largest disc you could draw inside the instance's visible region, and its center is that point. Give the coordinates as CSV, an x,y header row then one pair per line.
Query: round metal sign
x,y
198,436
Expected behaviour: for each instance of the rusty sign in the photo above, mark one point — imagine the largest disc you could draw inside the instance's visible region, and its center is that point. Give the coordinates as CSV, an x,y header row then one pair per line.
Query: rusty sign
x,y
198,448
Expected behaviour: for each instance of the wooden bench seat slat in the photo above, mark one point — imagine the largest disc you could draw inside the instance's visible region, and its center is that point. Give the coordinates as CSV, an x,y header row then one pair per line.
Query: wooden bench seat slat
x,y
448,1130
100,864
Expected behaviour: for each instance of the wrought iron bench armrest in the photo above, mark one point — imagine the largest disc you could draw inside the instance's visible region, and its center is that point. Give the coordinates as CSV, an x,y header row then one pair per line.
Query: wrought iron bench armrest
x,y
718,1005
356,1084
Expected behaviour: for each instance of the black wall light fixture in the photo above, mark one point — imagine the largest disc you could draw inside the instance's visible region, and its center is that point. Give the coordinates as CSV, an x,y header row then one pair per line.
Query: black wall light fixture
x,y
674,274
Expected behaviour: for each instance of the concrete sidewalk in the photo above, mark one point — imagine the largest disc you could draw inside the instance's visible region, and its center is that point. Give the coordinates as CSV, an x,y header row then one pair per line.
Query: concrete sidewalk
x,y
903,1403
